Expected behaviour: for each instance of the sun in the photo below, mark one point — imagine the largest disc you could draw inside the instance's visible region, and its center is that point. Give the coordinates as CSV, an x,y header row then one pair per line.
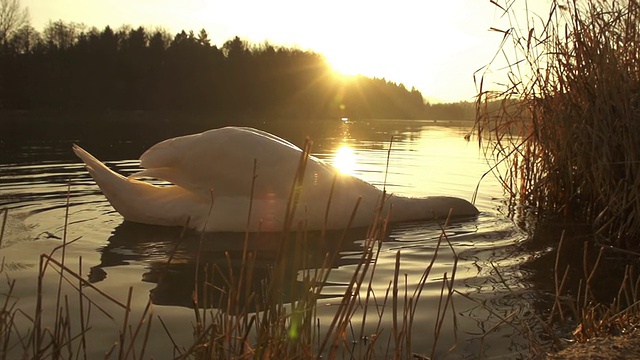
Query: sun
x,y
345,66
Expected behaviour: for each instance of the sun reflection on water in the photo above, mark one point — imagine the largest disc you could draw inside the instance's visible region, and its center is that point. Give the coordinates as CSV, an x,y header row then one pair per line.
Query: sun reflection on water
x,y
344,159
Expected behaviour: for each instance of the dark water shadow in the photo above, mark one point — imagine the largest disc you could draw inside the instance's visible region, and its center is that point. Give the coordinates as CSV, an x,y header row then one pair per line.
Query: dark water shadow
x,y
584,263
579,253
176,262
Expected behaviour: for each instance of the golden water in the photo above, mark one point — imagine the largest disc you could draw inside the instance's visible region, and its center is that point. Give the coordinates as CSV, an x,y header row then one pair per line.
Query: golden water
x,y
426,158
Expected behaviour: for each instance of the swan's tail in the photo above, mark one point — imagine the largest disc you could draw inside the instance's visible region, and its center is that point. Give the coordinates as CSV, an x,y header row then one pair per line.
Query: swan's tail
x,y
135,200
99,171
117,188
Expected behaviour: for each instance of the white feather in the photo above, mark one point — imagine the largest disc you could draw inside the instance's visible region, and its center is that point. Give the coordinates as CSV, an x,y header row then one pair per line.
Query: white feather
x,y
217,165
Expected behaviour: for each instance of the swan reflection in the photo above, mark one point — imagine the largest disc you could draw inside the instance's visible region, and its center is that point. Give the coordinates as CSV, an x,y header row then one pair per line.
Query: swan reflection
x,y
174,260
177,262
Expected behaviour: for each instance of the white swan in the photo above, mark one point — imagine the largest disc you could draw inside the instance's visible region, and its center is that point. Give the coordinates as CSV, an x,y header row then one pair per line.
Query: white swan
x,y
219,164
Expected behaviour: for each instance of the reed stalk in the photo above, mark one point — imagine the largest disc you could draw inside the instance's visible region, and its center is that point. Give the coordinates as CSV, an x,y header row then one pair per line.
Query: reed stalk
x,y
566,125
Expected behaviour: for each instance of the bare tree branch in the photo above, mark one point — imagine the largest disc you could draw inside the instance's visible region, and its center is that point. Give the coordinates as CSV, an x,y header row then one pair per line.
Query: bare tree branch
x,y
12,17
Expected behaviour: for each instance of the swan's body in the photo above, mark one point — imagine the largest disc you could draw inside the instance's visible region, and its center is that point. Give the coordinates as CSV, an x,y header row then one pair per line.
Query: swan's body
x,y
218,164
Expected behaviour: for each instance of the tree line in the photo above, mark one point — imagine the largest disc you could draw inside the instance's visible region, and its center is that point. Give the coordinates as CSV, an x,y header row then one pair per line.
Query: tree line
x,y
68,67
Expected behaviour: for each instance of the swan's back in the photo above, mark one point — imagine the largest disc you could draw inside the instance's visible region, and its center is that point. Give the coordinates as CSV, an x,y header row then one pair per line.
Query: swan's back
x,y
222,161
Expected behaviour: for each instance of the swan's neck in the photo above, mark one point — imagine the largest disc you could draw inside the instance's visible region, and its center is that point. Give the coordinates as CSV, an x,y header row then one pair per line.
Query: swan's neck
x,y
432,207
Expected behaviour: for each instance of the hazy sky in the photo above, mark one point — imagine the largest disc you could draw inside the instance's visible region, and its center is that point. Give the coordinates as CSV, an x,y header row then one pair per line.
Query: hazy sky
x,y
434,45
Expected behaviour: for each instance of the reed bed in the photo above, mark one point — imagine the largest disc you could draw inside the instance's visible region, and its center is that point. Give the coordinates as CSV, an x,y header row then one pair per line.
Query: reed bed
x,y
277,319
563,133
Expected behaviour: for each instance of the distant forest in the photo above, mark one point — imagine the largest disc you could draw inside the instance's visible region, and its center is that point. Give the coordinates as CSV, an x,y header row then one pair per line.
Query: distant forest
x,y
70,68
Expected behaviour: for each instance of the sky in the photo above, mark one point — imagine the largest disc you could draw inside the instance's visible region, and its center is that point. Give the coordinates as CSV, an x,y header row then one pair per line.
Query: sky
x,y
435,46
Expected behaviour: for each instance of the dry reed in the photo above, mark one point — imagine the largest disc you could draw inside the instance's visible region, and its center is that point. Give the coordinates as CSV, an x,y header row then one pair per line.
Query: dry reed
x,y
566,126
563,136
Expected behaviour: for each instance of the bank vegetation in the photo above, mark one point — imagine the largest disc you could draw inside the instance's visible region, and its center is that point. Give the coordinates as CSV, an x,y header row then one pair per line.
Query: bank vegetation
x,y
565,143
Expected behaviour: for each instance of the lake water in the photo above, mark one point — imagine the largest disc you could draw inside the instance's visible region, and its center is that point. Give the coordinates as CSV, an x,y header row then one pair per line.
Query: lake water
x,y
38,173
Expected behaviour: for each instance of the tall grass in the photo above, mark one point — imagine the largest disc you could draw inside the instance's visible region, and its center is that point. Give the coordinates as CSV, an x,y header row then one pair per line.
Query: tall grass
x,y
565,127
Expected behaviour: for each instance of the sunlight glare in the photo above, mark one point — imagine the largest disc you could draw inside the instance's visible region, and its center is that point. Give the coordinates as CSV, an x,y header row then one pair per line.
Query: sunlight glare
x,y
345,66
344,160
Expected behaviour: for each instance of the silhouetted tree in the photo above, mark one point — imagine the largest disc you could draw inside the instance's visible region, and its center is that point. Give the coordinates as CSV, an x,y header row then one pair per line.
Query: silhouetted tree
x,y
451,111
23,40
12,18
69,67
60,35
203,38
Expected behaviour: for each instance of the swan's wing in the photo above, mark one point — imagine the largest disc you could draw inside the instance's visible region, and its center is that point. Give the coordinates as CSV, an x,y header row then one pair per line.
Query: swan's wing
x,y
268,136
222,161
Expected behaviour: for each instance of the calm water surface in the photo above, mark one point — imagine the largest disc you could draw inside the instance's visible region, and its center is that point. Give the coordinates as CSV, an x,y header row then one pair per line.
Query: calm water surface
x,y
427,158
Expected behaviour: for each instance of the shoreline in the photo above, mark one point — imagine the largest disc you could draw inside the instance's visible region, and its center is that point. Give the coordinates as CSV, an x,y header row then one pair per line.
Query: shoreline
x,y
625,346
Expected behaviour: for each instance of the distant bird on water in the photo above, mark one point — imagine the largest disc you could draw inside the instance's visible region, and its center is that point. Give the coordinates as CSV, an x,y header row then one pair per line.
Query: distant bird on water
x,y
212,176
